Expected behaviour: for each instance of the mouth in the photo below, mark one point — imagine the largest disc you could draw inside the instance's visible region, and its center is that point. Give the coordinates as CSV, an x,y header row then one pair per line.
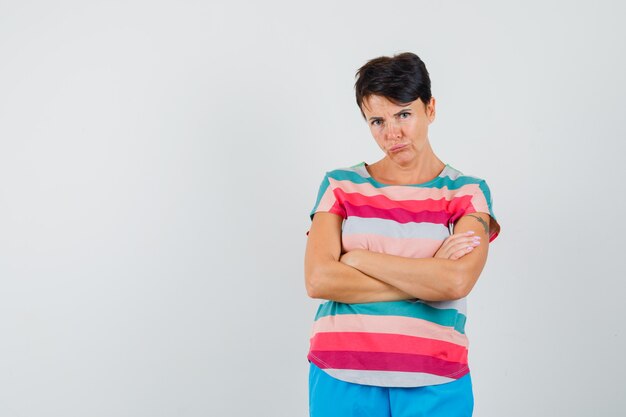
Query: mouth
x,y
397,147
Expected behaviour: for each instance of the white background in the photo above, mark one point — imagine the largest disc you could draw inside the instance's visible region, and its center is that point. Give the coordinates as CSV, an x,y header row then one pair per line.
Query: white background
x,y
159,159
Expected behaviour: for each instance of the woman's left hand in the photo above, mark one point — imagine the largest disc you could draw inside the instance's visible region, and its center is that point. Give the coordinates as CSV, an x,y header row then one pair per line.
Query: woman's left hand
x,y
457,245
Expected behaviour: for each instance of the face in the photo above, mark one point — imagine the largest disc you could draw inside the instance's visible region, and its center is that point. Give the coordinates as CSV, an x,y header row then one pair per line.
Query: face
x,y
401,131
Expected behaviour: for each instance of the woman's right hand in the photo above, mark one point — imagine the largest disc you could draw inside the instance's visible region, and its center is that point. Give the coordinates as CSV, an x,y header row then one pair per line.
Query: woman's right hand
x,y
457,245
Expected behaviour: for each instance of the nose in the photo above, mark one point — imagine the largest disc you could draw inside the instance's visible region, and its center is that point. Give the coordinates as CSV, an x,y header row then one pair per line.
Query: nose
x,y
392,130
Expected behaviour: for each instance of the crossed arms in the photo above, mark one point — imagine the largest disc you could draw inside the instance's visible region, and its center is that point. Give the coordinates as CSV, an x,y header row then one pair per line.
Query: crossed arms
x,y
362,276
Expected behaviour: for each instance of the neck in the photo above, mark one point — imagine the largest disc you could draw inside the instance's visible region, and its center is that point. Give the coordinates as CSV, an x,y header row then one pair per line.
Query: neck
x,y
422,168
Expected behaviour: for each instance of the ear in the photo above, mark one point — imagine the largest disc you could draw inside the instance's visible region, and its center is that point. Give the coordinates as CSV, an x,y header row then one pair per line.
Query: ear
x,y
430,110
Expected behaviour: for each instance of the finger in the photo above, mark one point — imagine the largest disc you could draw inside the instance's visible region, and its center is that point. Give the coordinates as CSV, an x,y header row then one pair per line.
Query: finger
x,y
464,238
462,244
462,252
469,233
460,238
457,243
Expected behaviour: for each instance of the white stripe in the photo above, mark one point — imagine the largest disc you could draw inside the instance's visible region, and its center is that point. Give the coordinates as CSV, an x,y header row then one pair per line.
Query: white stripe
x,y
387,378
460,305
391,228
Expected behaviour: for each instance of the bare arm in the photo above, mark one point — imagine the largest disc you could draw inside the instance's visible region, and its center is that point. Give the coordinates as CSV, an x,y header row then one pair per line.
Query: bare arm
x,y
329,279
431,279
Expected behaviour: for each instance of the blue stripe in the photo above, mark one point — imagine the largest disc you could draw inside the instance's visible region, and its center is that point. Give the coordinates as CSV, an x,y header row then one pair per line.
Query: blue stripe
x,y
440,182
449,317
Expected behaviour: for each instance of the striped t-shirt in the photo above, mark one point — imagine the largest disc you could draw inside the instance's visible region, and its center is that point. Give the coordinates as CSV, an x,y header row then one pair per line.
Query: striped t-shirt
x,y
397,343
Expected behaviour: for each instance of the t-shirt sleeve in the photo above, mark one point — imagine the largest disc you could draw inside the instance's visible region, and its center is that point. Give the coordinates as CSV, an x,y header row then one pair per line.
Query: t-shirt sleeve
x,y
480,202
327,201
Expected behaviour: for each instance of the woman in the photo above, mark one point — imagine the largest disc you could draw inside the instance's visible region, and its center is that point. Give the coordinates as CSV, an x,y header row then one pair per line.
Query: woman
x,y
395,247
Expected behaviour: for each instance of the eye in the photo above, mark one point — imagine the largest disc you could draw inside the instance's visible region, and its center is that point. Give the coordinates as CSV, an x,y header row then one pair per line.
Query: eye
x,y
404,115
377,122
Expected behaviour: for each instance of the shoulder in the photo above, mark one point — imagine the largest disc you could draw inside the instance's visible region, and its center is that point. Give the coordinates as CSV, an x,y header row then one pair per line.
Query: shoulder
x,y
467,185
350,173
457,179
347,168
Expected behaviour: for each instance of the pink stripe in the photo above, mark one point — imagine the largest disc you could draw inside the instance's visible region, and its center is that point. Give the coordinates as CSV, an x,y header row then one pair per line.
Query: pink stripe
x,y
389,324
409,248
383,202
480,203
327,200
388,343
399,215
328,203
373,361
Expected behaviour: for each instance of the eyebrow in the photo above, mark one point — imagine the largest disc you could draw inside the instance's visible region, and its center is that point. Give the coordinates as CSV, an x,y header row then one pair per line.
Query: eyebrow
x,y
400,112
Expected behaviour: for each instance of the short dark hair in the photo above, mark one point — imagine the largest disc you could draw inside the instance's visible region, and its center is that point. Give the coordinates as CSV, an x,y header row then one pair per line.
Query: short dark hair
x,y
402,78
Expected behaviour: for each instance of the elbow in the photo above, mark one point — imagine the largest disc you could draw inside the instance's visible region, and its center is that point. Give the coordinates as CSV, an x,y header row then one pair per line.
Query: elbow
x,y
458,291
319,279
311,288
461,283
314,284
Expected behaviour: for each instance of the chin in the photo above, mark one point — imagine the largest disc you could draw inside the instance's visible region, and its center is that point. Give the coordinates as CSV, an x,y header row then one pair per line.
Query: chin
x,y
403,156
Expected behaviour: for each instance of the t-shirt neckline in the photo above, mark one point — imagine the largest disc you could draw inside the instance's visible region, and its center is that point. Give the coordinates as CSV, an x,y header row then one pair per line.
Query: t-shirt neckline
x,y
367,175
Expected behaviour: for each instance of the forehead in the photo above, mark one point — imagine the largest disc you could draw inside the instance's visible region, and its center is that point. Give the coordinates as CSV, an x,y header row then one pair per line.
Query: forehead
x,y
378,105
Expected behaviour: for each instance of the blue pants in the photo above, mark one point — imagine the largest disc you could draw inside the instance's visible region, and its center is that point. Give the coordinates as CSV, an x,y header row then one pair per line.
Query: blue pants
x,y
330,397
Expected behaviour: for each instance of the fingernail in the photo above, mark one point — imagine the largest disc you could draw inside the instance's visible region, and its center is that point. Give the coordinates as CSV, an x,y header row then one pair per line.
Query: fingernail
x,y
469,232
470,247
